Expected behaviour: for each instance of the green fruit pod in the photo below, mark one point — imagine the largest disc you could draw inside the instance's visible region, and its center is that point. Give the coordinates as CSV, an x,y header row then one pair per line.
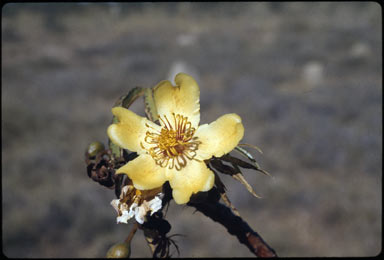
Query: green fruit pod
x,y
119,250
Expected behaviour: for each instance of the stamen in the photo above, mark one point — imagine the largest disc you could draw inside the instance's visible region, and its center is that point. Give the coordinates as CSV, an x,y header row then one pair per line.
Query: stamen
x,y
175,144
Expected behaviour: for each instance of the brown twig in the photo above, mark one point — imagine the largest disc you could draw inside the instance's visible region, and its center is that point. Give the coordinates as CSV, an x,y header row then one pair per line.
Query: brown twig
x,y
236,226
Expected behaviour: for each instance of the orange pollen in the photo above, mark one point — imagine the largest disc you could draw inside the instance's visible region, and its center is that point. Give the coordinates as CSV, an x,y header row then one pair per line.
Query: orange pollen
x,y
175,144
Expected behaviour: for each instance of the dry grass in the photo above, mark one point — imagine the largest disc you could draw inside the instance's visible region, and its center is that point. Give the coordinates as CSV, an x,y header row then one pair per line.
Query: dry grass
x,y
305,78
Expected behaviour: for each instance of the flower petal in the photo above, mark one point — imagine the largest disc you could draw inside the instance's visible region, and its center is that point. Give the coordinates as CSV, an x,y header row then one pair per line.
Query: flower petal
x,y
219,137
194,177
144,172
140,213
115,204
182,99
123,218
130,130
156,203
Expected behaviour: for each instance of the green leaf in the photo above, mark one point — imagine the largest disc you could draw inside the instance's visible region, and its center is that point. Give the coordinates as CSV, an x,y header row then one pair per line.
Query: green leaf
x,y
150,107
127,100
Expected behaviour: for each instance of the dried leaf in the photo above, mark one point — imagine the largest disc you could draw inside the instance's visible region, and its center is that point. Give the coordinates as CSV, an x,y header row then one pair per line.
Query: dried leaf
x,y
252,146
243,181
174,243
150,244
227,202
226,169
246,154
238,162
234,172
221,189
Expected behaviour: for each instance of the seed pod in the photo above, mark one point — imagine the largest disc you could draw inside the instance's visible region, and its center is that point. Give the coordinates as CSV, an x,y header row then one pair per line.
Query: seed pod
x,y
94,148
119,250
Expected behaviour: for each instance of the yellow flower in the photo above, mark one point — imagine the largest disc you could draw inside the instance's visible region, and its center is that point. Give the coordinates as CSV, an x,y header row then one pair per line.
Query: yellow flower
x,y
175,150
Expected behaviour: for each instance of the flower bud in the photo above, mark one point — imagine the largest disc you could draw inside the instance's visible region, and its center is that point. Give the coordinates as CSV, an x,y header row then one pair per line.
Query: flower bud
x,y
94,148
119,250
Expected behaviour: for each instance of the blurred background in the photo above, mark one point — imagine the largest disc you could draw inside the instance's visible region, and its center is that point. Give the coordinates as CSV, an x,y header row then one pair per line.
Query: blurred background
x,y
305,78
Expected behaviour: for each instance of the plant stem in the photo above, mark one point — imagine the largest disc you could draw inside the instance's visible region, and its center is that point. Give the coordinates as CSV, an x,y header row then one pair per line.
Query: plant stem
x,y
132,232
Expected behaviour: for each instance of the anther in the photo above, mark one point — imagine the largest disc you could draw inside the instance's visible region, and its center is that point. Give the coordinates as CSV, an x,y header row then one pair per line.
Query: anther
x,y
175,144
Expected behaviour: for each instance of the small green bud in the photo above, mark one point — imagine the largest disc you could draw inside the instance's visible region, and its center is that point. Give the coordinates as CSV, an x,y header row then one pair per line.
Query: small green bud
x,y
119,250
94,148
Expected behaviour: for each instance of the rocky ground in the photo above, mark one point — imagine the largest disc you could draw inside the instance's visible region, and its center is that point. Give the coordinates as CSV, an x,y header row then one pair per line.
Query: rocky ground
x,y
305,78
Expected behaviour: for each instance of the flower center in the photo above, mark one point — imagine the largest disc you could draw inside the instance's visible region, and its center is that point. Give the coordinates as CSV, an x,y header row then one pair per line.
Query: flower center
x,y
175,144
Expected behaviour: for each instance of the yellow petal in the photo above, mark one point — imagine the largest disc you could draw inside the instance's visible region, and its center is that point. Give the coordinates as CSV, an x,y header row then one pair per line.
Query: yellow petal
x,y
144,172
130,130
194,177
219,137
182,99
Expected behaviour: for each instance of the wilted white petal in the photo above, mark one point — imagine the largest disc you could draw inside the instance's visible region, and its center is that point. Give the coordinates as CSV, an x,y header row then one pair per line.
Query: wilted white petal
x,y
140,213
132,210
123,218
137,209
133,206
115,205
155,204
125,190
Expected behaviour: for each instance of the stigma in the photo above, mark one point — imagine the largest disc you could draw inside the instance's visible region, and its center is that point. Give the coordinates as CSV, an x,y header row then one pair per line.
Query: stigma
x,y
175,144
